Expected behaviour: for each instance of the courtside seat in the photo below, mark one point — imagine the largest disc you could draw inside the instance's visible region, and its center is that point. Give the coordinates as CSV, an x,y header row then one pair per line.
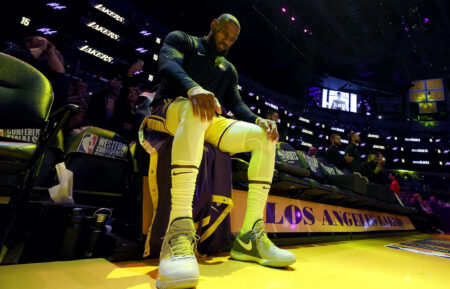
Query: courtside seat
x,y
334,176
319,189
100,164
352,186
292,177
26,98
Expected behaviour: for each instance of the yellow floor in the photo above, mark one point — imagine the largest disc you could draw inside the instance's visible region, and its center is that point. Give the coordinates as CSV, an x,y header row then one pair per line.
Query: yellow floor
x,y
352,264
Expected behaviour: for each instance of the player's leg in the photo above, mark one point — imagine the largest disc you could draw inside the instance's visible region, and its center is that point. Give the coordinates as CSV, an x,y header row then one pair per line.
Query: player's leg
x,y
178,266
252,243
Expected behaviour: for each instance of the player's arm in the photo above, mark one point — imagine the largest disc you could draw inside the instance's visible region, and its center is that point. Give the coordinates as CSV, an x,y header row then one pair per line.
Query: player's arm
x,y
176,45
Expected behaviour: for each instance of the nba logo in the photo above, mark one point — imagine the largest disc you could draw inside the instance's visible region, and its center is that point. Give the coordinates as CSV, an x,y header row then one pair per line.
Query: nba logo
x,y
87,144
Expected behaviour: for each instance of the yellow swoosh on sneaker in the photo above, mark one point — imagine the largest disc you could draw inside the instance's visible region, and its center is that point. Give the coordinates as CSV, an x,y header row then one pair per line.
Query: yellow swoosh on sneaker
x,y
247,246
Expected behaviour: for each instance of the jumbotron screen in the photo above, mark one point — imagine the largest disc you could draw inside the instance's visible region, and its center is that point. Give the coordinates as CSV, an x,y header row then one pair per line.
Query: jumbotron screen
x,y
339,100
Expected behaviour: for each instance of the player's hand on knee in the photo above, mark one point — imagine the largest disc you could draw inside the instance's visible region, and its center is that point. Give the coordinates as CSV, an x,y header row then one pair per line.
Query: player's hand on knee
x,y
270,127
204,103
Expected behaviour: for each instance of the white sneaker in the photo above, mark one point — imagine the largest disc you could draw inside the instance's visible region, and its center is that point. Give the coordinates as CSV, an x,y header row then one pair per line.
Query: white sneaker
x,y
178,266
255,246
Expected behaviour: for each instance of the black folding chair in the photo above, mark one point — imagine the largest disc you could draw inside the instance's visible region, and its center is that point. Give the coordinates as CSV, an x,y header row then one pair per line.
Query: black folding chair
x,y
26,98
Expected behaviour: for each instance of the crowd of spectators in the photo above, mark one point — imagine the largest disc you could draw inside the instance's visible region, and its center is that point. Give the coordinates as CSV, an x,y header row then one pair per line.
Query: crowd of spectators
x,y
111,103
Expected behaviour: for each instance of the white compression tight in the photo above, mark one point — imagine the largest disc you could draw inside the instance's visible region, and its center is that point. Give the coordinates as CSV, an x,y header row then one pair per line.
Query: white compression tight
x,y
187,150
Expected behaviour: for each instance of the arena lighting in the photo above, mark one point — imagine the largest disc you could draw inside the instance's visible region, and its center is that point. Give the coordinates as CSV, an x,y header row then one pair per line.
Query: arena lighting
x,y
363,144
145,33
25,21
89,50
285,112
421,162
395,148
251,94
292,18
271,105
320,135
388,138
378,147
337,129
108,12
279,120
380,117
447,163
252,107
326,137
47,31
320,148
155,57
439,151
141,50
307,132
288,125
425,20
304,119
395,160
239,87
363,156
437,140
291,140
150,77
293,126
441,163
403,160
158,40
373,135
395,137
290,114
323,126
344,141
306,144
257,97
317,123
412,139
287,137
402,149
56,6
446,152
419,150
259,111
431,140
103,30
342,152
284,10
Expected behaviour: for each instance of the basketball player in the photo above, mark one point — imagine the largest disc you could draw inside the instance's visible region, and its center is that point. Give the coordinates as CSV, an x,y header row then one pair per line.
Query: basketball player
x,y
196,80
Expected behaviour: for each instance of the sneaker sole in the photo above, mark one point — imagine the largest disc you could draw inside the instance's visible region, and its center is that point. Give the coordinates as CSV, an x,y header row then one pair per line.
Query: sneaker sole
x,y
177,284
265,262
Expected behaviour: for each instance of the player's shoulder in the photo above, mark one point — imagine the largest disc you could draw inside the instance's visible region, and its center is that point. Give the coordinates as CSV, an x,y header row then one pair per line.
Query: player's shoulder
x,y
181,36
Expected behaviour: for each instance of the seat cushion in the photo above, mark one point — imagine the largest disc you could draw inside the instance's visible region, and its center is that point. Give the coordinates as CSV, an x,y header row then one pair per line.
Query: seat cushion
x,y
98,142
15,156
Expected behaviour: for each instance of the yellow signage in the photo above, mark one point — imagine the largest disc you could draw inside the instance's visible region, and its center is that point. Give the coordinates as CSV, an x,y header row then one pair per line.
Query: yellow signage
x,y
291,215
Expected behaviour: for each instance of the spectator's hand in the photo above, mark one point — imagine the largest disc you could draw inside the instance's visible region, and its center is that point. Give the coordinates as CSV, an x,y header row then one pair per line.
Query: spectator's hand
x,y
270,127
51,49
43,43
348,158
137,66
204,102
